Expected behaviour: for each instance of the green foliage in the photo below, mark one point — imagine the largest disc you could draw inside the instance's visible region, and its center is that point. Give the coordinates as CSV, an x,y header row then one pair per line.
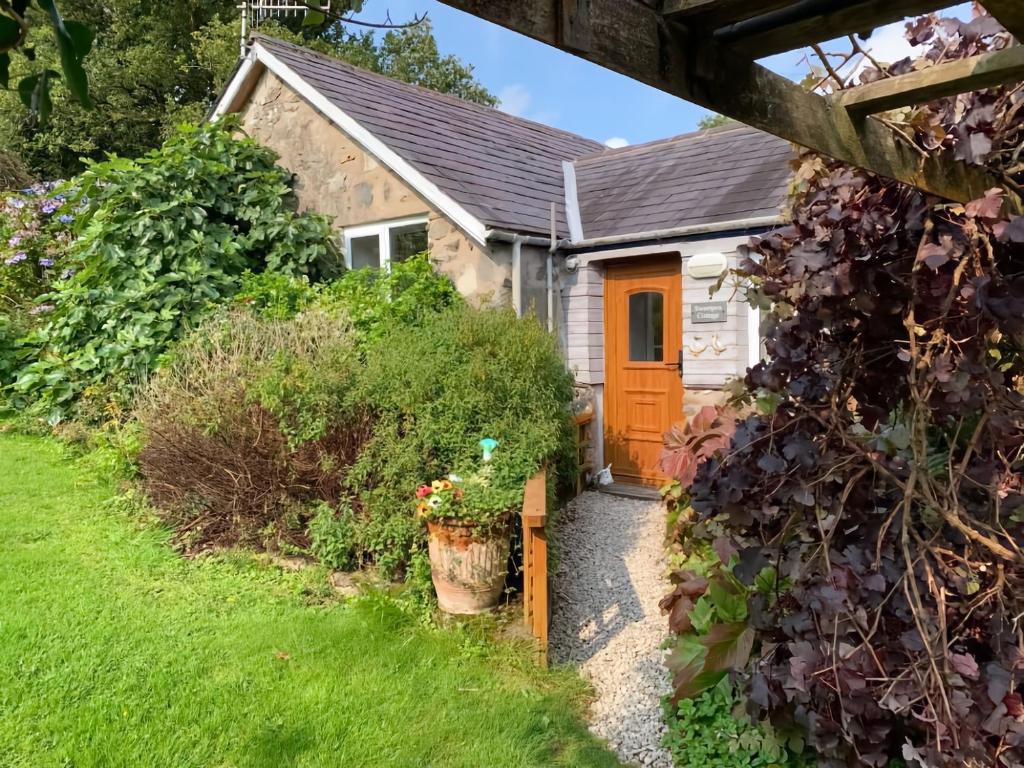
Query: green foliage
x,y
373,300
162,240
332,537
274,295
10,349
141,72
712,731
247,423
35,230
307,410
72,41
714,121
155,65
379,301
411,55
467,374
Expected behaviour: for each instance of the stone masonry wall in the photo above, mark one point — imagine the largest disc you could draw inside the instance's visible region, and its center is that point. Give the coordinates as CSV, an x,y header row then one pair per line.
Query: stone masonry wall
x,y
335,176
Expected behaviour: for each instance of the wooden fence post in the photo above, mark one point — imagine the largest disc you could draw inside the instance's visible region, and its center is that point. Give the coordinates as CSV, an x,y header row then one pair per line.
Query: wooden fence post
x,y
536,602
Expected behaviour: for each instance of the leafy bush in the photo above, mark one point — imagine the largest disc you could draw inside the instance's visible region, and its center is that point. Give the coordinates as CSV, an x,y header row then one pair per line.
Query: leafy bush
x,y
332,536
246,422
275,295
162,239
467,374
256,420
380,300
711,731
882,478
10,349
35,231
404,294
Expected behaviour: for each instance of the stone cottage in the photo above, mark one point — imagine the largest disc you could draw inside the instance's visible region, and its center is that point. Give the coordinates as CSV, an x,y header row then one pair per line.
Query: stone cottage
x,y
616,250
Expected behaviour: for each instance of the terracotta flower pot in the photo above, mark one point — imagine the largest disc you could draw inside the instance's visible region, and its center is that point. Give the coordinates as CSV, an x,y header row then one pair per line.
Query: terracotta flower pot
x,y
468,563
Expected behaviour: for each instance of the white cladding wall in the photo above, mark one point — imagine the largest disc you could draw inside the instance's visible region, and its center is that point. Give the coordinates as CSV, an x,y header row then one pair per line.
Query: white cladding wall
x,y
713,353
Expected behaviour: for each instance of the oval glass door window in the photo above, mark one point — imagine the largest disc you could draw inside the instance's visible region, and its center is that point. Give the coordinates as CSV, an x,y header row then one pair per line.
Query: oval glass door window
x,y
647,327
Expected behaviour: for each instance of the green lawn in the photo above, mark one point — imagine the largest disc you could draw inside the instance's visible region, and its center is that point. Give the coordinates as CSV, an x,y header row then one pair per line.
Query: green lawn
x,y
116,652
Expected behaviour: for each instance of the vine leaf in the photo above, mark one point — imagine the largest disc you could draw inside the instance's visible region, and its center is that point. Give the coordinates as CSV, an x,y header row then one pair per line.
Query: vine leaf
x,y
73,44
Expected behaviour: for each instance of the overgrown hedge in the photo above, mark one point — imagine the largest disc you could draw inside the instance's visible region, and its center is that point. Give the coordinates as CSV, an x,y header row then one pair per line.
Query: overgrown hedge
x,y
314,430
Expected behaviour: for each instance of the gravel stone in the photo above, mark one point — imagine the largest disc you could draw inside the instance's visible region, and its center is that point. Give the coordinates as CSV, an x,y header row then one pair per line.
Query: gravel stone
x,y
609,580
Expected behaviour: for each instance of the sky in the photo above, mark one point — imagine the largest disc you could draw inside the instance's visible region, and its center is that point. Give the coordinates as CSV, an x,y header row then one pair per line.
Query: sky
x,y
538,82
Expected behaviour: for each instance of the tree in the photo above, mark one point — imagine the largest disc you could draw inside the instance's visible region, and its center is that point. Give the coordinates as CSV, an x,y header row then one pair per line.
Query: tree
x,y
714,121
141,70
72,40
155,65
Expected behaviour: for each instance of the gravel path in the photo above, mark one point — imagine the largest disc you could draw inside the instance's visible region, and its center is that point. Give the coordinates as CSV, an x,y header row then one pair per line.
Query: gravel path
x,y
606,618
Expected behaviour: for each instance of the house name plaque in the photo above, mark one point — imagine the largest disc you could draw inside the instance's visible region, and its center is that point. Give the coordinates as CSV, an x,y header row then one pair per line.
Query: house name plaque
x,y
709,312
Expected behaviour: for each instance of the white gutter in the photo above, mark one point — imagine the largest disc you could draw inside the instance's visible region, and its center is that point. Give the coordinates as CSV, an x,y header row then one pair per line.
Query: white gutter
x,y
504,236
692,229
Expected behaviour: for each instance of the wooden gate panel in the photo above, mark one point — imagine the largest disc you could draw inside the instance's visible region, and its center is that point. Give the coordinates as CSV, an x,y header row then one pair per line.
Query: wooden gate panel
x,y
536,601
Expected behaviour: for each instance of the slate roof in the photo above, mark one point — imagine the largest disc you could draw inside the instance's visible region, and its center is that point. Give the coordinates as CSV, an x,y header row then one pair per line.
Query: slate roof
x,y
719,175
504,170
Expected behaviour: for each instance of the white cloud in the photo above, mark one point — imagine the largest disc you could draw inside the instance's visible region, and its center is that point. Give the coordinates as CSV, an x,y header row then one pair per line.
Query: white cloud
x,y
889,44
514,99
616,142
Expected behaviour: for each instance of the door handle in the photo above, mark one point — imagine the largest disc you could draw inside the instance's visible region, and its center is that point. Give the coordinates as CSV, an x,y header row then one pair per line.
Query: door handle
x,y
678,365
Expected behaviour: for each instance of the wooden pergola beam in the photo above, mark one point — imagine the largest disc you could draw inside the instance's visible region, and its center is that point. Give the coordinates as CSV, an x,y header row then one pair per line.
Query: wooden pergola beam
x,y
1010,14
632,38
948,79
710,12
862,16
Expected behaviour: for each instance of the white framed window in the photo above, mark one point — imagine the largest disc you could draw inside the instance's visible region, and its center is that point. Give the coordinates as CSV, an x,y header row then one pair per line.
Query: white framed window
x,y
378,245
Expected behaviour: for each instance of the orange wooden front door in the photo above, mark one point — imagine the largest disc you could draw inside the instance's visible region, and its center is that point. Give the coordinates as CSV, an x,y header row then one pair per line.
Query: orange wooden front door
x,y
643,393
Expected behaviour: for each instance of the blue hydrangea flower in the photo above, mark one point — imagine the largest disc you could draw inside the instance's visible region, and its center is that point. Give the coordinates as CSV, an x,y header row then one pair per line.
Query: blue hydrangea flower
x,y
44,262
16,202
17,258
65,218
14,240
50,206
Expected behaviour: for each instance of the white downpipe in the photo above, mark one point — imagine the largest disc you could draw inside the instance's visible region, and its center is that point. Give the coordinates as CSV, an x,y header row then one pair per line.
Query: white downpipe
x,y
551,271
517,275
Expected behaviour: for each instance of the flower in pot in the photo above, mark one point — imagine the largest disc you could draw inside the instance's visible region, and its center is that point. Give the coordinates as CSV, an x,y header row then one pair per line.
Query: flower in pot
x,y
469,532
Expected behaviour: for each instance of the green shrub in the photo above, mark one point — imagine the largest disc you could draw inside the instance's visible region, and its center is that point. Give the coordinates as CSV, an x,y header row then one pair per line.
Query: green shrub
x,y
381,300
332,536
35,231
10,349
162,240
467,374
254,418
248,422
711,731
404,294
275,295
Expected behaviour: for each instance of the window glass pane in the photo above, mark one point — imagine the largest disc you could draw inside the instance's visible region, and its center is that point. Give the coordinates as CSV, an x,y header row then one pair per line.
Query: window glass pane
x,y
408,241
646,327
365,252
